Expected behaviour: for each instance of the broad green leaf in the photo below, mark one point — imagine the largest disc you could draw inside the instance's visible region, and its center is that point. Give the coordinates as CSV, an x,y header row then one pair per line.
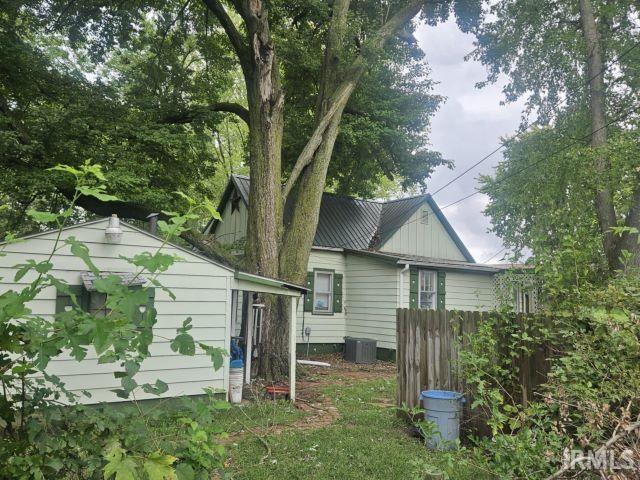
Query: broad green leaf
x,y
185,471
67,169
186,197
42,217
119,465
184,344
128,383
109,284
158,388
131,367
96,192
81,251
211,209
108,357
159,466
154,263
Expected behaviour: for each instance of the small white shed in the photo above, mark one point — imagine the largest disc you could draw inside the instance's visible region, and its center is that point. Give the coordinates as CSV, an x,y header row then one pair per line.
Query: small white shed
x,y
203,288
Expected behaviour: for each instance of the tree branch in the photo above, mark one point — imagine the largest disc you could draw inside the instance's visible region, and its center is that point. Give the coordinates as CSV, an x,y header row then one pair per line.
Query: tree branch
x,y
190,115
206,244
343,92
237,41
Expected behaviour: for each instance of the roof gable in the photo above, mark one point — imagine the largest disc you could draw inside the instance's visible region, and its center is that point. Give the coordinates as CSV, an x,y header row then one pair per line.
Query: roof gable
x,y
350,223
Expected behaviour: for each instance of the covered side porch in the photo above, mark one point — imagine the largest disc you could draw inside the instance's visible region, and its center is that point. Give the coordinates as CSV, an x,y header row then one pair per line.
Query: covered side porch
x,y
245,320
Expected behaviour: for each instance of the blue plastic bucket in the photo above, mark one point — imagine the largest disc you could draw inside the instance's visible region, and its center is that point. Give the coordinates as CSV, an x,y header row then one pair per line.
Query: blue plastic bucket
x,y
444,408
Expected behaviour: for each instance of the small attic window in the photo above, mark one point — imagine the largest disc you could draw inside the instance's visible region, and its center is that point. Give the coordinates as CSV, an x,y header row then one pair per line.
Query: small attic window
x,y
424,216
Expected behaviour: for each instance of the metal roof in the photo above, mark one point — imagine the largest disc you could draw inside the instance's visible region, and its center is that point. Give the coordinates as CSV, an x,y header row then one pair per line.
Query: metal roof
x,y
351,223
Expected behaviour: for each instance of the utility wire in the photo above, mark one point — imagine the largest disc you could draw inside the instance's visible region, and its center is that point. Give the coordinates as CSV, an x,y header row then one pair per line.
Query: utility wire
x,y
529,125
494,255
560,150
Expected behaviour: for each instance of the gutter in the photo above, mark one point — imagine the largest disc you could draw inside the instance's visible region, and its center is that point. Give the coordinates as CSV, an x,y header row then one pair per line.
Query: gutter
x,y
271,282
401,282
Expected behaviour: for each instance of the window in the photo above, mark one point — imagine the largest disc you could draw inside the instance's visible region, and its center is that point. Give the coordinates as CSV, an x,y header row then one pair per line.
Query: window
x,y
98,304
427,290
322,292
424,216
523,301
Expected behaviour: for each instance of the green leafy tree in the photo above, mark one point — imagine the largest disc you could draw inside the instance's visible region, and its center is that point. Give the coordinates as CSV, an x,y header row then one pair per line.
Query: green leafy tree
x,y
588,93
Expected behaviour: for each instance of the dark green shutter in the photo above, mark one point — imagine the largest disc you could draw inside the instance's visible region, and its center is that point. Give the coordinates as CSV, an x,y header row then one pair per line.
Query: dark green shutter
x,y
337,293
308,298
63,299
413,287
441,290
151,296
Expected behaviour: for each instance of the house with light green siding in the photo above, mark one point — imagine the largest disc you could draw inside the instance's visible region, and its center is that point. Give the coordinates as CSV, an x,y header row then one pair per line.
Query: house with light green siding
x,y
204,290
368,259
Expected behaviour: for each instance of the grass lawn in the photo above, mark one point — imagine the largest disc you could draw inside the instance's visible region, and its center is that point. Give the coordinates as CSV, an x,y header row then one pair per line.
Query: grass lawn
x,y
366,441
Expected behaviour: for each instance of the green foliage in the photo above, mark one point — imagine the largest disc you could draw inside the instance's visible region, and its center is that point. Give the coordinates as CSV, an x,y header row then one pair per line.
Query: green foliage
x,y
558,224
41,440
125,441
593,385
521,38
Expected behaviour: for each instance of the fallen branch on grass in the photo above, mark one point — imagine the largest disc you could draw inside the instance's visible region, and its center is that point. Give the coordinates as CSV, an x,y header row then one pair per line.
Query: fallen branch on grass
x,y
614,439
262,440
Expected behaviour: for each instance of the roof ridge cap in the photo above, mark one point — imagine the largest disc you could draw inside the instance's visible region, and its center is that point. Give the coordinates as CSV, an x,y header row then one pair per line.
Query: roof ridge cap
x,y
404,199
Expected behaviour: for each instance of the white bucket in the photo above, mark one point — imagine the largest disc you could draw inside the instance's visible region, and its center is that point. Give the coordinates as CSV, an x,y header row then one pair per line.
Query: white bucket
x,y
236,376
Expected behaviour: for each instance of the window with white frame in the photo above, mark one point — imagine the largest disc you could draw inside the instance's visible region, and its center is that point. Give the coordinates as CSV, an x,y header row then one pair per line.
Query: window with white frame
x,y
322,292
523,302
427,289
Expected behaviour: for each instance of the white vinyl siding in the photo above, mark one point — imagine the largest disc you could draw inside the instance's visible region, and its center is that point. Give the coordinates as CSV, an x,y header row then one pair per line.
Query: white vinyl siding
x,y
428,239
372,287
324,328
202,293
469,291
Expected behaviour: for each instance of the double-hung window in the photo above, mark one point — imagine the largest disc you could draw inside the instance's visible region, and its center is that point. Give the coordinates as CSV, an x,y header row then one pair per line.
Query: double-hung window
x,y
323,292
428,290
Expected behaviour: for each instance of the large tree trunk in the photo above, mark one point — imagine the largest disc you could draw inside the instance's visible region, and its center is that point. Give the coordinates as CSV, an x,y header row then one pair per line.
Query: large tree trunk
x,y
595,73
264,229
268,251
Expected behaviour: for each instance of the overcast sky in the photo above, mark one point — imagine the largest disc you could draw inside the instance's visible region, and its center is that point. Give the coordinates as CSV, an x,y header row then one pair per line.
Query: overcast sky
x,y
466,128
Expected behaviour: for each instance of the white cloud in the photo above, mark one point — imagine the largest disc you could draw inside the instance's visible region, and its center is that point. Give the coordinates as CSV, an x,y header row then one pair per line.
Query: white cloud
x,y
466,128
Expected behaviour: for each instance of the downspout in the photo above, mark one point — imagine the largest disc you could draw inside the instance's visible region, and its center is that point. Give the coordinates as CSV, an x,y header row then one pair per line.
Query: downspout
x,y
401,278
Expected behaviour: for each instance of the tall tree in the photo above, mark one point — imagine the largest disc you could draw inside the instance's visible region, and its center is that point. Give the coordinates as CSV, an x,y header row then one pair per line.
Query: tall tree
x,y
273,247
166,66
587,50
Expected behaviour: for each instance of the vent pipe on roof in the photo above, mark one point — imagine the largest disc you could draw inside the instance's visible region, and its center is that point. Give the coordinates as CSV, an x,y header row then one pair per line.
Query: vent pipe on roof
x,y
153,223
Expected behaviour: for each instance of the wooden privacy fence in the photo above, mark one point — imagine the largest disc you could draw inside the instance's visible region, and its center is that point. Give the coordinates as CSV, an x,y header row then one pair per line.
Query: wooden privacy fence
x,y
428,346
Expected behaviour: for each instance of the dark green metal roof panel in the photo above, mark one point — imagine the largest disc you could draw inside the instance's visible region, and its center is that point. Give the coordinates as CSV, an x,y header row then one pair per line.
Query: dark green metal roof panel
x,y
346,222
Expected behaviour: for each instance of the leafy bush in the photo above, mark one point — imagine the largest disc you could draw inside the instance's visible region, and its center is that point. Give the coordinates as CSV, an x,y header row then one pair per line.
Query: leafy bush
x,y
592,389
40,438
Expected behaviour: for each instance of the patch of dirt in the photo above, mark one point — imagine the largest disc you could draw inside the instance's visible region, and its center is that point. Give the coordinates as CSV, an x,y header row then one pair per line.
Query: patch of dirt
x,y
319,408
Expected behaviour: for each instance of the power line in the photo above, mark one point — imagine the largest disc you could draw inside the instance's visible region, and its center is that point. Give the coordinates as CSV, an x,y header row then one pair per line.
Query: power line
x,y
527,126
494,255
560,150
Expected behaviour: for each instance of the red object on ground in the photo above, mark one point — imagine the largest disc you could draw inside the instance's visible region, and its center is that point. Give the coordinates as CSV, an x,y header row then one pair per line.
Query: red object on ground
x,y
275,390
